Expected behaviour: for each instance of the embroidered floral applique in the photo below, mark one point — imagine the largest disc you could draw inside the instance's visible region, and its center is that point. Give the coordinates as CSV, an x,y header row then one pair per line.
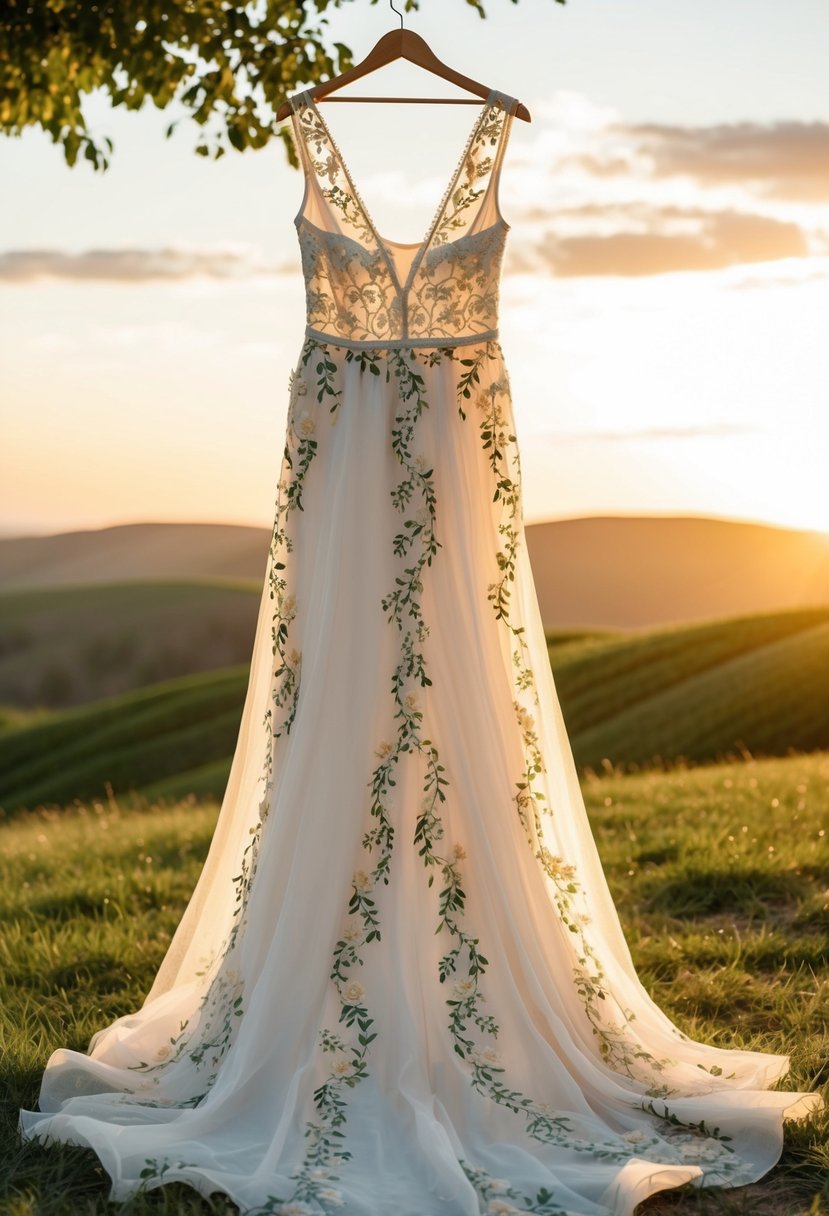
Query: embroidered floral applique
x,y
353,290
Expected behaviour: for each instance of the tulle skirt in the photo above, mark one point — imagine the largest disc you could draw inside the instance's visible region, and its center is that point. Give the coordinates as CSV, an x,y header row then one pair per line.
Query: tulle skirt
x,y
401,984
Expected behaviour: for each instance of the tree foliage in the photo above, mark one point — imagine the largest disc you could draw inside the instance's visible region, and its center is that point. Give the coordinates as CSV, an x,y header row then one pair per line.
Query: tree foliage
x,y
227,66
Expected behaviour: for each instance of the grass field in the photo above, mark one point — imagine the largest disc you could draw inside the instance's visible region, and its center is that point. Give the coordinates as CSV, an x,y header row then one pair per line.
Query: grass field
x,y
721,875
756,684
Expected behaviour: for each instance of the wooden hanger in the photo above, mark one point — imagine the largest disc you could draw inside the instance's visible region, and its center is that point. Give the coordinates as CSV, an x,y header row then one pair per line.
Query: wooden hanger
x,y
402,44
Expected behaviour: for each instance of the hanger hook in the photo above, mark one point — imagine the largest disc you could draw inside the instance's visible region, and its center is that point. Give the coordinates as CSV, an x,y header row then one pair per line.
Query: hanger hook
x,y
396,10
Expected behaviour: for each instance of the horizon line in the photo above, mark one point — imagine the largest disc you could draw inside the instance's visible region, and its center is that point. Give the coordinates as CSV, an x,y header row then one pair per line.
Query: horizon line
x,y
528,523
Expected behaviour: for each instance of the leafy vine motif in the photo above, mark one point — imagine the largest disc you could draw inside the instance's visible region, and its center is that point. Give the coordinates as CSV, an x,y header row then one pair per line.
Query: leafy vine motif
x,y
471,1028
222,1004
618,1049
492,399
502,1199
465,1002
315,1178
313,1181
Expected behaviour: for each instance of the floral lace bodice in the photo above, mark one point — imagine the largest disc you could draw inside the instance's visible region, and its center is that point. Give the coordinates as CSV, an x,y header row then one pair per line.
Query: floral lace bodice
x,y
360,290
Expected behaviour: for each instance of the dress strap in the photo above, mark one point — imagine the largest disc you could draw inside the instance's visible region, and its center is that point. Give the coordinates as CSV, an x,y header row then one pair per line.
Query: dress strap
x,y
330,200
510,105
298,102
475,206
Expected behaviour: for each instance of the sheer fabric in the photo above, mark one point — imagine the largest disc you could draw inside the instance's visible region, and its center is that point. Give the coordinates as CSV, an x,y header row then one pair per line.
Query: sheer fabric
x,y
401,984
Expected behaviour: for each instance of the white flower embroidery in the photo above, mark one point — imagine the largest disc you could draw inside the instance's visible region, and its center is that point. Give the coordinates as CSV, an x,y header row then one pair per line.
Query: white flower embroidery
x,y
458,852
384,749
410,701
306,426
361,881
330,1194
499,1185
352,932
463,988
297,387
705,1151
556,866
341,1068
486,1055
354,992
163,1052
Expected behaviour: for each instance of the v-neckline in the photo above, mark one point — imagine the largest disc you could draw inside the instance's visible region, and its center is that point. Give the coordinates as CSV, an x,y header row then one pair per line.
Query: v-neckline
x,y
382,243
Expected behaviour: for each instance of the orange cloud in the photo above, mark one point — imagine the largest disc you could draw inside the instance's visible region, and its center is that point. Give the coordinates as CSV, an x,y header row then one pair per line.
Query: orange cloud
x,y
132,265
785,159
715,240
782,160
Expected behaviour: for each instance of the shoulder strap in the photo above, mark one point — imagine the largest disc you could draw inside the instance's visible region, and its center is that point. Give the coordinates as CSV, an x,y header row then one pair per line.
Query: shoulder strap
x,y
300,115
330,201
509,105
490,212
473,204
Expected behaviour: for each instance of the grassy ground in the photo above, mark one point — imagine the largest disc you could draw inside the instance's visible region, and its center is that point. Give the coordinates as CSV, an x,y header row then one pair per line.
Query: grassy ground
x,y
721,875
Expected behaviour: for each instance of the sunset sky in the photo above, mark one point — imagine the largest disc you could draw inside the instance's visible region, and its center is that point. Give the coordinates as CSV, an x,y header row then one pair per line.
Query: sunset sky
x,y
665,295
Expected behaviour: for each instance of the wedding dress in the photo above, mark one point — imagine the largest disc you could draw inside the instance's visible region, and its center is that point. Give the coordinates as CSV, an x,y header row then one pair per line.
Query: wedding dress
x,y
400,985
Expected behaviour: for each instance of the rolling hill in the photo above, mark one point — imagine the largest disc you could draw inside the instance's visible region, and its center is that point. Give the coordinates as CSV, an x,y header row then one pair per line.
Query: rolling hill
x,y
704,692
72,645
604,572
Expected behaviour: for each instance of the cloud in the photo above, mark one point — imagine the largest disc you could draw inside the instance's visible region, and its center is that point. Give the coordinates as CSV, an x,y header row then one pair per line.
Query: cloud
x,y
660,240
794,274
785,159
589,193
136,265
594,194
714,431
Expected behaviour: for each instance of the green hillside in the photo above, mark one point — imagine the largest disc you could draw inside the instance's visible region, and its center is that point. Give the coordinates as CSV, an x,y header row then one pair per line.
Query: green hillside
x,y
130,741
74,645
773,698
703,692
759,681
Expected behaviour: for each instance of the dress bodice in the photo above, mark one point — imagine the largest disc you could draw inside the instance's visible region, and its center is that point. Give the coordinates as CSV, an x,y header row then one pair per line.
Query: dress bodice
x,y
367,292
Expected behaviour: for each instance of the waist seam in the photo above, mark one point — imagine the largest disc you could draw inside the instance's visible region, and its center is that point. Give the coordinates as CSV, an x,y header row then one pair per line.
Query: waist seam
x,y
399,343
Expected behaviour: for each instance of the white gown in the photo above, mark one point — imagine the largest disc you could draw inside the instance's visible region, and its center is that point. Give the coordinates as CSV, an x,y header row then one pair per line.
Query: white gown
x,y
400,985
